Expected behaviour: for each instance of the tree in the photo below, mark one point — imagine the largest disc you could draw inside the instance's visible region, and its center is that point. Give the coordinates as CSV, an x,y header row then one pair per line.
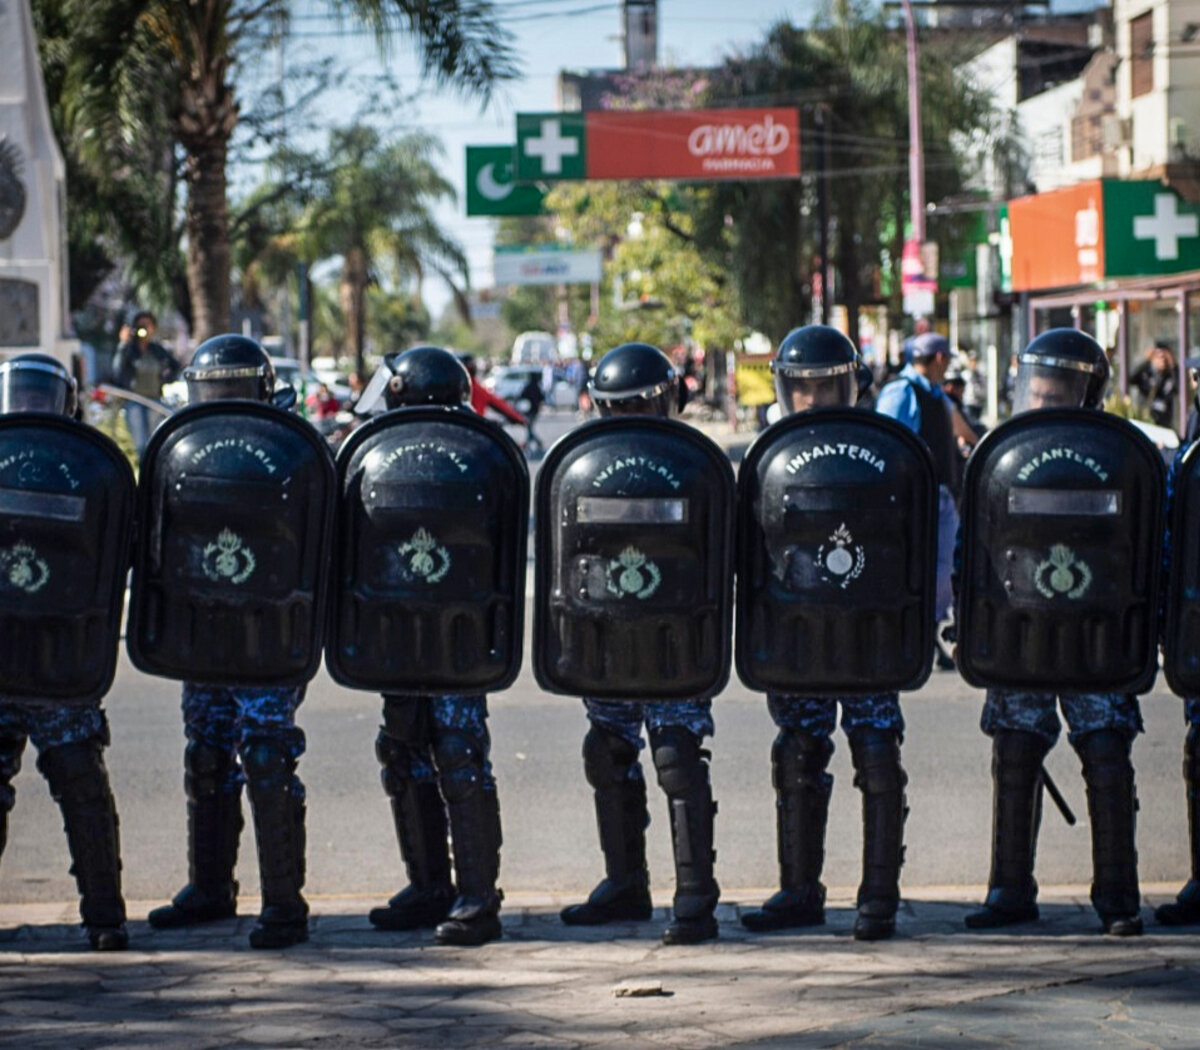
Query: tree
x,y
370,203
200,46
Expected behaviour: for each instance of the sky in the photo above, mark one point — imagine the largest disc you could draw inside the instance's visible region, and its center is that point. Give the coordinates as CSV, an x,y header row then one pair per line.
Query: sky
x,y
548,36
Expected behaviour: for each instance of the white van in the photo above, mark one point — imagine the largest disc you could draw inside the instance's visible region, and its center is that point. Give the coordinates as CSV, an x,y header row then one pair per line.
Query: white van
x,y
533,348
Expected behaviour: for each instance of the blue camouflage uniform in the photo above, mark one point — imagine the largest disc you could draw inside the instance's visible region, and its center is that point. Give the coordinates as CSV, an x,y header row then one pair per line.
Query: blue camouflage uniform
x,y
48,726
1031,712
466,714
229,718
817,715
625,718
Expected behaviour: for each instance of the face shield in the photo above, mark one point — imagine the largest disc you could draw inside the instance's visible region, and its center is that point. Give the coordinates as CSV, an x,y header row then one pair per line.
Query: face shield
x,y
373,399
1050,383
660,399
801,387
35,386
223,384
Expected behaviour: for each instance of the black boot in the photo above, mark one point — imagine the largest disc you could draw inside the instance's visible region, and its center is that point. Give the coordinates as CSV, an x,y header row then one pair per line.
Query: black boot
x,y
474,812
1016,816
420,819
1112,807
802,789
214,826
682,768
279,834
79,783
621,816
1185,909
881,779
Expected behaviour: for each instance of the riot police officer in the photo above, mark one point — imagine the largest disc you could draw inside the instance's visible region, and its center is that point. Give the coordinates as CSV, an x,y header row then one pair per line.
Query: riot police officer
x,y
434,749
70,737
241,735
1061,368
1185,909
818,367
638,379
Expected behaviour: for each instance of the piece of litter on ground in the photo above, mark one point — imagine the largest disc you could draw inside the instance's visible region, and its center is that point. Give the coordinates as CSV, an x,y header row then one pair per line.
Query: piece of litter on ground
x,y
639,991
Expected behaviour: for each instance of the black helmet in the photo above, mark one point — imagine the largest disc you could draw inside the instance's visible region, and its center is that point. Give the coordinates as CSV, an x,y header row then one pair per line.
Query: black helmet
x,y
36,383
635,379
424,375
817,366
230,366
1061,368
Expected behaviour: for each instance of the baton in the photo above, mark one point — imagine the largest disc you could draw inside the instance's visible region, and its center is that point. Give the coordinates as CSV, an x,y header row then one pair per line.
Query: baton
x,y
1057,797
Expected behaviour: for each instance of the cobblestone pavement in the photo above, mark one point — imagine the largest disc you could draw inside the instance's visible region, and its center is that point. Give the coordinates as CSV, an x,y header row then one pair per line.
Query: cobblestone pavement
x,y
1057,983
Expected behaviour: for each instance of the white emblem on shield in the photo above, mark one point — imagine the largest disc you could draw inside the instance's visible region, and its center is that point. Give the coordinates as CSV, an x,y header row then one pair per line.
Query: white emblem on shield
x,y
227,560
426,557
1062,574
842,559
635,575
23,569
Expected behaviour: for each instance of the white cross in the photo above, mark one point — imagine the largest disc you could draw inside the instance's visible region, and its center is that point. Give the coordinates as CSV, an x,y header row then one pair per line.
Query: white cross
x,y
551,146
1166,228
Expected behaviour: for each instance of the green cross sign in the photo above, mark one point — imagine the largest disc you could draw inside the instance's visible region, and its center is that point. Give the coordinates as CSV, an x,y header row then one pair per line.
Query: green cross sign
x,y
1148,229
551,146
490,186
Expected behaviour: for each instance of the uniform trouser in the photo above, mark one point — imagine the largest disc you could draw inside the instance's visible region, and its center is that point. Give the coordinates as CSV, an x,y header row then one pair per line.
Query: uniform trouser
x,y
80,785
1102,727
429,743
254,731
676,731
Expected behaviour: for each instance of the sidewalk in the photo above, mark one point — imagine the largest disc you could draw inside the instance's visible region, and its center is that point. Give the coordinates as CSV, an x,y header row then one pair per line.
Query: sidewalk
x,y
1055,984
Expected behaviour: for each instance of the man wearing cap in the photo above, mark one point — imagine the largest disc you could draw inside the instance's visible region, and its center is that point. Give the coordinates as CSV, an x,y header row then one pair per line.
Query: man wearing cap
x,y
917,400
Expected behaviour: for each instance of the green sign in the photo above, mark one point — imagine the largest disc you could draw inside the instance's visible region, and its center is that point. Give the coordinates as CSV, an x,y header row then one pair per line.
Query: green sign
x,y
1148,229
491,189
551,146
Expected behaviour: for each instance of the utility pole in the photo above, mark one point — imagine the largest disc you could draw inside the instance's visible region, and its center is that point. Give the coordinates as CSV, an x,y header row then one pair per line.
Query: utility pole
x,y
916,152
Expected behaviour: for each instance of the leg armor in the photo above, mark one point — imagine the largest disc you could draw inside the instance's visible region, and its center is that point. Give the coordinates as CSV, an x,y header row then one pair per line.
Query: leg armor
x,y
1016,816
682,768
11,749
474,812
420,818
881,779
802,790
214,826
79,783
1185,910
1112,806
621,817
279,832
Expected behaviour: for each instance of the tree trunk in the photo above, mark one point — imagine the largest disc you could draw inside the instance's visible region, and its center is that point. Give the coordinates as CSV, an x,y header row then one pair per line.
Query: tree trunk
x,y
205,123
353,294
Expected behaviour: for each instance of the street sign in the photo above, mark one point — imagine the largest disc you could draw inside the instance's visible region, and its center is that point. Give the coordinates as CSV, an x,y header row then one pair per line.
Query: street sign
x,y
691,144
546,265
491,189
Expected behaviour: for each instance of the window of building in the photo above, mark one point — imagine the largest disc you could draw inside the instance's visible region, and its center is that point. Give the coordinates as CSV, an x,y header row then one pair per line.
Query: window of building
x,y
1141,54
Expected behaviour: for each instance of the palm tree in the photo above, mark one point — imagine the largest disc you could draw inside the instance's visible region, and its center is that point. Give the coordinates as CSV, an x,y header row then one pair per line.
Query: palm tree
x,y
201,43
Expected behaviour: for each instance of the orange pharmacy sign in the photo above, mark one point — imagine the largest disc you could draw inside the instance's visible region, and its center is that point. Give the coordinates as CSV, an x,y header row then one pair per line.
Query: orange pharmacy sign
x,y
1058,237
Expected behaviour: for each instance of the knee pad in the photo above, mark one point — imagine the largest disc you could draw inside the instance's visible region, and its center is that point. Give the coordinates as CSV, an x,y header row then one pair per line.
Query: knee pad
x,y
267,763
459,757
396,763
1105,757
607,758
10,765
678,760
406,719
1191,755
206,769
75,771
876,757
799,760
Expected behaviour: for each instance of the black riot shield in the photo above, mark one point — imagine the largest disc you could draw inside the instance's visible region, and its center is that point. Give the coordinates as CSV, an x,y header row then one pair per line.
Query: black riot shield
x,y
634,572
429,579
1181,628
837,556
66,523
235,507
1061,544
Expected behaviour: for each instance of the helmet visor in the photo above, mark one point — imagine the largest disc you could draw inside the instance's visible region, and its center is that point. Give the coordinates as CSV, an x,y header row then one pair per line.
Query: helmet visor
x,y
1043,385
660,399
222,384
799,388
34,386
373,399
